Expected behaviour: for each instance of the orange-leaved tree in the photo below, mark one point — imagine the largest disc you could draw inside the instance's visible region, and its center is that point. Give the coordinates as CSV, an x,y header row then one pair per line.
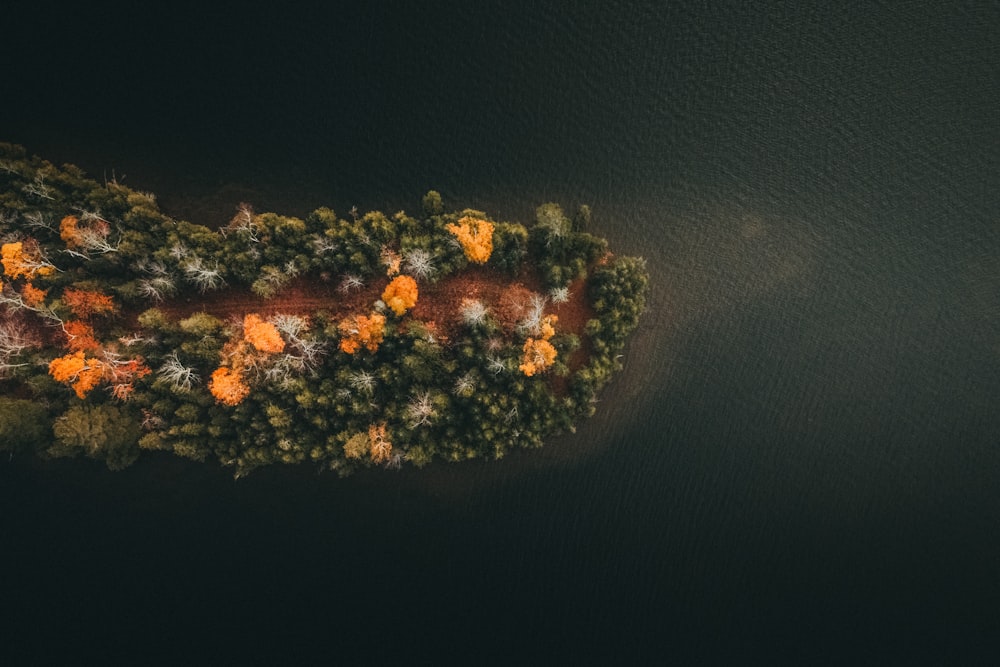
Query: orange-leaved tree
x,y
68,230
476,237
91,236
400,294
263,335
78,371
361,330
83,373
33,296
87,303
80,336
122,374
539,354
24,258
227,385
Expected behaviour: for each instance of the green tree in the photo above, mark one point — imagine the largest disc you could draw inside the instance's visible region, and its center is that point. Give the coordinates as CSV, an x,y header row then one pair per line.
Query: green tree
x,y
24,425
105,432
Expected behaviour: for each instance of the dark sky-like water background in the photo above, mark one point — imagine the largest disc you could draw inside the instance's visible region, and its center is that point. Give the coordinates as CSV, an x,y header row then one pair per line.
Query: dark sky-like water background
x,y
800,461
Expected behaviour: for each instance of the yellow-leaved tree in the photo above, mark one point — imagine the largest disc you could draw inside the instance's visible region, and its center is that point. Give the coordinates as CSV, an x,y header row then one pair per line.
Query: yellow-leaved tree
x,y
24,258
476,237
400,294
539,354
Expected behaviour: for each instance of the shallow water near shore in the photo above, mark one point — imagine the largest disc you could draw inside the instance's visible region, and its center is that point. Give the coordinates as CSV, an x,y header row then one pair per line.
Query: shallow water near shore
x,y
800,458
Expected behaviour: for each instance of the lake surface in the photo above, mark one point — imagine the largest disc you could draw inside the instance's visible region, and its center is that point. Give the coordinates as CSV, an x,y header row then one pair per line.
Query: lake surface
x,y
798,464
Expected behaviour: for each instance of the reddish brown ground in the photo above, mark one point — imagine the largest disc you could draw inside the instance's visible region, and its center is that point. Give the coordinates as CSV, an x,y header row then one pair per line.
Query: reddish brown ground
x,y
437,302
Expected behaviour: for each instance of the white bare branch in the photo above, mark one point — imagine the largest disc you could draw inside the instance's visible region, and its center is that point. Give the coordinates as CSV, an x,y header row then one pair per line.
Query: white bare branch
x,y
204,277
419,263
179,376
350,283
473,312
38,188
420,410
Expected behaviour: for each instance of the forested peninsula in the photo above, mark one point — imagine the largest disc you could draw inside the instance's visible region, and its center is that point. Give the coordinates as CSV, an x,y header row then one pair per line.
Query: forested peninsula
x,y
336,341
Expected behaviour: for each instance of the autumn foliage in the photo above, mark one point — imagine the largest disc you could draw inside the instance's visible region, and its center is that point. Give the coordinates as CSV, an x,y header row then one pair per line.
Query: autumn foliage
x,y
361,331
78,371
260,339
87,303
263,335
75,236
68,230
32,295
539,354
379,446
400,294
476,237
80,336
23,258
227,386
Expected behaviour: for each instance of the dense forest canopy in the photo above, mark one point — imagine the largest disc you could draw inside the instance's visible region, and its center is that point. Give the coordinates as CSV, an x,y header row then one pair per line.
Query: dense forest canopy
x,y
370,339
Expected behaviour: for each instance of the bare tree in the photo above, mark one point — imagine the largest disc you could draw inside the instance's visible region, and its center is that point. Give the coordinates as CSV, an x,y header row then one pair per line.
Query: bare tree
x,y
15,339
38,188
178,375
419,263
245,222
362,381
531,323
324,244
465,385
36,220
350,283
303,349
204,277
157,288
495,364
420,410
560,294
473,312
136,339
15,301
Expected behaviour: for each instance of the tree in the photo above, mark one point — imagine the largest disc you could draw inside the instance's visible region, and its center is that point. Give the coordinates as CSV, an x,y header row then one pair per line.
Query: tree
x,y
432,203
476,237
80,337
24,258
87,303
78,371
105,432
263,335
15,340
23,425
176,374
538,356
400,294
122,372
361,331
379,446
33,297
227,386
93,236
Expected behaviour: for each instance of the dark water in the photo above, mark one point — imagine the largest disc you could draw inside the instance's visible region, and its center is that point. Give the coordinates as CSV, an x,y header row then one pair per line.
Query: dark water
x,y
799,464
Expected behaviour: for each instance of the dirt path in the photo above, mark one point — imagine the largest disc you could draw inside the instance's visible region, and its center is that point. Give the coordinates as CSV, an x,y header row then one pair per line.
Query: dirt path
x,y
438,302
